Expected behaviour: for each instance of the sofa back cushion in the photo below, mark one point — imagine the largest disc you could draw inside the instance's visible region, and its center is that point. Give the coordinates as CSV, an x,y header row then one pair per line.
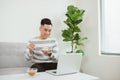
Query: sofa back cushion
x,y
12,55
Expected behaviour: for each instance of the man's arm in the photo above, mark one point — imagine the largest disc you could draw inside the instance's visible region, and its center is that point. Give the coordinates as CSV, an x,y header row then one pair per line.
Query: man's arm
x,y
29,51
28,56
55,52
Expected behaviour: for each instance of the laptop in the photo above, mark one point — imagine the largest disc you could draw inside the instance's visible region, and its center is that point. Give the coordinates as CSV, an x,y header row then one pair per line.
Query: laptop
x,y
67,64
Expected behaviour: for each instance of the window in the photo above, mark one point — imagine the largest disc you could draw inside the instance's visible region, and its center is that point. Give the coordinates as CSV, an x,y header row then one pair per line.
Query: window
x,y
110,27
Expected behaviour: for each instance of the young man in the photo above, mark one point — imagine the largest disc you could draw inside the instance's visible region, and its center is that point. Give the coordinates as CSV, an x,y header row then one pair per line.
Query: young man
x,y
42,50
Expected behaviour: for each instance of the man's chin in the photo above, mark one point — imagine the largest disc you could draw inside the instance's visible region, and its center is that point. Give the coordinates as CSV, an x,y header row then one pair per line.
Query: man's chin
x,y
46,37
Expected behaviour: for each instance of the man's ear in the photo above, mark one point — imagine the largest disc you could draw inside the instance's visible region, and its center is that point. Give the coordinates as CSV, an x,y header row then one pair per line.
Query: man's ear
x,y
40,27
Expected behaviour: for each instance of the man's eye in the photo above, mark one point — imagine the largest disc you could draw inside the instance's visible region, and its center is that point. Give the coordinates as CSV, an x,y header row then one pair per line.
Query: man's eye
x,y
45,29
49,30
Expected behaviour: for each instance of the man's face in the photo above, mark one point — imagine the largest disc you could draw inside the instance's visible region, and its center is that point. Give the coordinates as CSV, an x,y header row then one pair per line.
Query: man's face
x,y
45,31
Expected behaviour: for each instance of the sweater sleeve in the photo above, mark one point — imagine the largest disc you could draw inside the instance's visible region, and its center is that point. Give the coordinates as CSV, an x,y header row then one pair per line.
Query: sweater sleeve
x,y
55,51
28,55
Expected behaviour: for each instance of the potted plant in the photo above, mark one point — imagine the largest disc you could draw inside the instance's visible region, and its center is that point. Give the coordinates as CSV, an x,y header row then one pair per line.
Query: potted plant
x,y
72,33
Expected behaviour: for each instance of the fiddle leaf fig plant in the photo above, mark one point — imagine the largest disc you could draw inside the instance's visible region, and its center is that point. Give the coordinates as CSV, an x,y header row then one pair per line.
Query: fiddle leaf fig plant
x,y
72,32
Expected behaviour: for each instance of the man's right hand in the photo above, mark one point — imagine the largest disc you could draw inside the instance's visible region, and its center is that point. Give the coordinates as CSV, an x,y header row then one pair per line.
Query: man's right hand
x,y
31,47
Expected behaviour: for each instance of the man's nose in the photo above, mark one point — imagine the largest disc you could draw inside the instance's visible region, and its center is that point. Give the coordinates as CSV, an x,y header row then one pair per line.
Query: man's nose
x,y
48,32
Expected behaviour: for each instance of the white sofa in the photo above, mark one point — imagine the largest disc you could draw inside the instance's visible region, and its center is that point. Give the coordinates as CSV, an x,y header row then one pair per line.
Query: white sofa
x,y
12,59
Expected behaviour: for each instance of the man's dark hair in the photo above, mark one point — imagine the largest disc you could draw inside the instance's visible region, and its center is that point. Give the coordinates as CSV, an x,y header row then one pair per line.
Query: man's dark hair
x,y
46,21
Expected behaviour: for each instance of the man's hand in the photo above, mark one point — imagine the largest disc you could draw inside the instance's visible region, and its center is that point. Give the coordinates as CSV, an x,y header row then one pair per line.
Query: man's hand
x,y
48,52
31,47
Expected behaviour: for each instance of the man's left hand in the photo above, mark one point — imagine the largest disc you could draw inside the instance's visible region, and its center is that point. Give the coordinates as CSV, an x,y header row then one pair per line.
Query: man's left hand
x,y
48,52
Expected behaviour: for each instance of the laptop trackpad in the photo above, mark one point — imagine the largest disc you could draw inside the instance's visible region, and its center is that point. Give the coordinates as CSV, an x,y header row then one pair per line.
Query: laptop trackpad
x,y
54,72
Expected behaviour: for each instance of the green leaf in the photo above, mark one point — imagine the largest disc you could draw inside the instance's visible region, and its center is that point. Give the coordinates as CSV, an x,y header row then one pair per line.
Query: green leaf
x,y
76,29
76,36
78,21
69,24
67,35
80,51
69,17
71,8
84,38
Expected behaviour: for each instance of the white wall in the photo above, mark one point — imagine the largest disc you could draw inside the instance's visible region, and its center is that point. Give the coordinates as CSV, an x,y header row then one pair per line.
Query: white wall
x,y
19,21
105,67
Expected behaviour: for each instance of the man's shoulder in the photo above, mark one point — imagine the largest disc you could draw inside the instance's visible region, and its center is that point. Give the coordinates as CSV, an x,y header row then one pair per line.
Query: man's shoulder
x,y
43,41
33,39
52,39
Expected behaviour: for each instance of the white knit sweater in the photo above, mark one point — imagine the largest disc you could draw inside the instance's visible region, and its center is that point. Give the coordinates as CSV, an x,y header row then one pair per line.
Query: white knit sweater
x,y
38,56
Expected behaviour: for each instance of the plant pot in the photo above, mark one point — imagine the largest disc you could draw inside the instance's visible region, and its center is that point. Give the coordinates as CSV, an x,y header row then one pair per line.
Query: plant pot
x,y
72,58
